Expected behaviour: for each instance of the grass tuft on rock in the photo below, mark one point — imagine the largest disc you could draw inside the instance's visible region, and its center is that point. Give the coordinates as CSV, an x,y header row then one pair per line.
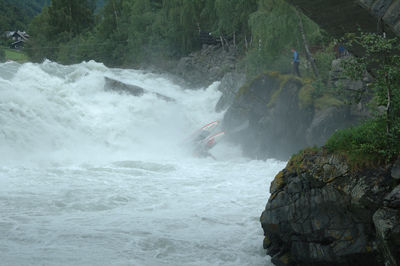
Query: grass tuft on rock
x,y
296,163
367,144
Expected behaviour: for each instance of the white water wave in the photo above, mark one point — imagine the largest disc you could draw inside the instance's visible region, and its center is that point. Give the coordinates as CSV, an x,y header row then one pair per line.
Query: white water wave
x,y
94,177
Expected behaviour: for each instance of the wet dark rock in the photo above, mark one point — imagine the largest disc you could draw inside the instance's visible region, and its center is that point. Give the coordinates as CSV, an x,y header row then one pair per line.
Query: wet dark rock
x,y
121,87
326,122
229,86
392,200
322,213
386,221
396,170
118,86
340,17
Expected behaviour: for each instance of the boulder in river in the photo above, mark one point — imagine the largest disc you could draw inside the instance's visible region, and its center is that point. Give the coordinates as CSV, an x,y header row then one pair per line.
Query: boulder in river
x,y
121,87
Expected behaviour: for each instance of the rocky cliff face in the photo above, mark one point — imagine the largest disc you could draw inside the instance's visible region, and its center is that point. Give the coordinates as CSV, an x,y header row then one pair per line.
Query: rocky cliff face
x,y
276,115
229,86
338,17
203,67
321,212
266,117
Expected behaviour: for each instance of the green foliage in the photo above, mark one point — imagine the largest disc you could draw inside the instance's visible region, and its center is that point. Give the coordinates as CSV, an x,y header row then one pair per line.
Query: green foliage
x,y
323,59
377,140
255,62
2,55
68,18
133,32
273,26
136,31
381,58
58,27
11,54
367,144
100,4
12,17
275,30
233,17
40,45
306,99
326,100
30,7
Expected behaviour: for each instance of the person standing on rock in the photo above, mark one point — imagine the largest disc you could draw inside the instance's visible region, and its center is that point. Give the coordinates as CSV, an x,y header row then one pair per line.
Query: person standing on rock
x,y
295,63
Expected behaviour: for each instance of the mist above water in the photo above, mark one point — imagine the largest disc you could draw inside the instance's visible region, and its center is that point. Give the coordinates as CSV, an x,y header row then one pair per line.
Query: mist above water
x,y
95,177
55,113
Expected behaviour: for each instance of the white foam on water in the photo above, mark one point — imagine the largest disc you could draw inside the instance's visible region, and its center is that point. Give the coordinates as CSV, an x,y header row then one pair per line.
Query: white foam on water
x,y
96,177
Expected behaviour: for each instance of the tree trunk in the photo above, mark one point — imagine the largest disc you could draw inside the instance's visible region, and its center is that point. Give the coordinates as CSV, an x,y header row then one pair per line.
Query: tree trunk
x,y
70,22
116,16
309,56
389,103
388,92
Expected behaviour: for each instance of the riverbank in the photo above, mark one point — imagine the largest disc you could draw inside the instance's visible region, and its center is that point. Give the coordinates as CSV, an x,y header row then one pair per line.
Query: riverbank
x,y
14,55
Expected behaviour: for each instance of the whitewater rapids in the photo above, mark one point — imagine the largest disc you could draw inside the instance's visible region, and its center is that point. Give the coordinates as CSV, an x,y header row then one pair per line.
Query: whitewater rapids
x,y
94,177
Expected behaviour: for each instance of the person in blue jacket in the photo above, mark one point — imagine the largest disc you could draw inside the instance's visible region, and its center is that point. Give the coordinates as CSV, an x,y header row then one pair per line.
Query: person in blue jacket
x,y
295,62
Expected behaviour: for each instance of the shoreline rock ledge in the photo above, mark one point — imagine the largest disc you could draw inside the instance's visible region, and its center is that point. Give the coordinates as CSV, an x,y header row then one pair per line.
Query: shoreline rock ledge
x,y
323,212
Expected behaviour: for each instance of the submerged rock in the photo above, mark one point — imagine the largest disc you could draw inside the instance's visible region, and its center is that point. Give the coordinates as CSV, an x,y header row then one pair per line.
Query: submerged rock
x,y
322,213
121,87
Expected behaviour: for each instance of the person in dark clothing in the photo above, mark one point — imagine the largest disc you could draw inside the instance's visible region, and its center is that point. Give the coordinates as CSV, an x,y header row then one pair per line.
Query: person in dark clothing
x,y
295,62
341,50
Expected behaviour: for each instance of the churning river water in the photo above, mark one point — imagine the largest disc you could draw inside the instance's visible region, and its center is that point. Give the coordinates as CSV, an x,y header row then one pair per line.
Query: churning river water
x,y
94,177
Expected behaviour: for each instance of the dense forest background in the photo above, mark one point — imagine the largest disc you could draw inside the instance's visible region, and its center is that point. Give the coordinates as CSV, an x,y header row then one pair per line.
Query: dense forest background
x,y
136,32
17,14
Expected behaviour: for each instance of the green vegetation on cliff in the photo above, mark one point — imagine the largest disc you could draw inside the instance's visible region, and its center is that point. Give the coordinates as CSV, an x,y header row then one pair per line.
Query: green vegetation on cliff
x,y
366,144
376,141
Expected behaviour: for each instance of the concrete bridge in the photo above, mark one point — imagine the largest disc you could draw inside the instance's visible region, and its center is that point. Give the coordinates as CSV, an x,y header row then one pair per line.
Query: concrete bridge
x,y
338,17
